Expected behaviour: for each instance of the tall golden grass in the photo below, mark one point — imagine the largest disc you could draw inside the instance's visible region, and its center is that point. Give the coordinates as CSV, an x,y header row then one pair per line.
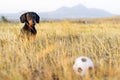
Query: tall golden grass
x,y
51,55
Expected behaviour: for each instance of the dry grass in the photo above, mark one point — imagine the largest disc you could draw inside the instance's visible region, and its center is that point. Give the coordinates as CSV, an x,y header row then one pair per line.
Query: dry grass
x,y
57,44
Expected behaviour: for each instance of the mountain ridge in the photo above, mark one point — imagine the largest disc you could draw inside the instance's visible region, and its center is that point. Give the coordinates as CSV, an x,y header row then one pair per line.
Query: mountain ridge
x,y
78,11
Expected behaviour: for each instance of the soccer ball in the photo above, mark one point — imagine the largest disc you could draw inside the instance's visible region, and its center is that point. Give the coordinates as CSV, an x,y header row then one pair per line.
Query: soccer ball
x,y
83,65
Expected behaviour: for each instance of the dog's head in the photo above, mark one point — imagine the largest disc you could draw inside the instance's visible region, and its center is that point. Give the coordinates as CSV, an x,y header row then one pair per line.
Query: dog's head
x,y
30,18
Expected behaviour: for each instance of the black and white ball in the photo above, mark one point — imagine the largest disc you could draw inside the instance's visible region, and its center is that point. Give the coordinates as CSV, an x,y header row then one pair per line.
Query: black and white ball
x,y
82,65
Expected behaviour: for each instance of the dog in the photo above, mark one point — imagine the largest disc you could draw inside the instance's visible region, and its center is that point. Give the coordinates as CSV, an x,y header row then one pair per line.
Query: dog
x,y
30,19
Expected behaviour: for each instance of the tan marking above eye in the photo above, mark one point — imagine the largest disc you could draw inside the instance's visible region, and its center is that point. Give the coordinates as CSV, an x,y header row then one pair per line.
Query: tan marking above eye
x,y
83,60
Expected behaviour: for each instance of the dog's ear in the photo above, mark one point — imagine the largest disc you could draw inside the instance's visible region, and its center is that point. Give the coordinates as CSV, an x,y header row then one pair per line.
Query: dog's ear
x,y
23,18
37,18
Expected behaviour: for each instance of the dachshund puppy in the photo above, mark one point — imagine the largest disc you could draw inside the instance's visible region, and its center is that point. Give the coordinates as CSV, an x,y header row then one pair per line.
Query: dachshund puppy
x,y
29,18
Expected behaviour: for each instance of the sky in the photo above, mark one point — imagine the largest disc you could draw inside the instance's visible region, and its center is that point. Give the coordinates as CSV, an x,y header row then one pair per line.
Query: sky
x,y
15,6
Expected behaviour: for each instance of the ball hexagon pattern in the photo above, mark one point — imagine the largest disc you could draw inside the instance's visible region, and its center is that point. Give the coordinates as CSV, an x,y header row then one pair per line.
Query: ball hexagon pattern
x,y
82,65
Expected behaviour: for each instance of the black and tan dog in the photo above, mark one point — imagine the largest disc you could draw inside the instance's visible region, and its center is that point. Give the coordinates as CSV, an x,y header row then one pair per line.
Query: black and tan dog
x,y
29,18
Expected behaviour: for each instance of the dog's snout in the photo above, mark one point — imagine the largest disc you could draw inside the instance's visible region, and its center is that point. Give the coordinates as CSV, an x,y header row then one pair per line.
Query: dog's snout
x,y
31,22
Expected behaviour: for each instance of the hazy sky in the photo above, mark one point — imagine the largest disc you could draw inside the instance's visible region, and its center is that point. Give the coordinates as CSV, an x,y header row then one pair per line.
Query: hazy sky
x,y
14,6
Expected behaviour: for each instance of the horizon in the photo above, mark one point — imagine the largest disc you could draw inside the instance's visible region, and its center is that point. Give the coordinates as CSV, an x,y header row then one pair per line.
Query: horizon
x,y
16,6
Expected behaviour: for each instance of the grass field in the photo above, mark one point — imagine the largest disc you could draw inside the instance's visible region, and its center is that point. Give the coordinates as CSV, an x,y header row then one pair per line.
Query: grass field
x,y
57,44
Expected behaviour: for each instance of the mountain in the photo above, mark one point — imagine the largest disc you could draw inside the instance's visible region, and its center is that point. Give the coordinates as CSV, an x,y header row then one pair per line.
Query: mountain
x,y
78,11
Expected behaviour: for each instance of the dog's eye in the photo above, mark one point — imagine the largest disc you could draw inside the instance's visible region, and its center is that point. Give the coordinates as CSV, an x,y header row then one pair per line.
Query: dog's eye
x,y
34,16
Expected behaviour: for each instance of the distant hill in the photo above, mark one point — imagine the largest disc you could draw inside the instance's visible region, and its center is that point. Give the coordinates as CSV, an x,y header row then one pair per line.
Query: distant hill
x,y
78,11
